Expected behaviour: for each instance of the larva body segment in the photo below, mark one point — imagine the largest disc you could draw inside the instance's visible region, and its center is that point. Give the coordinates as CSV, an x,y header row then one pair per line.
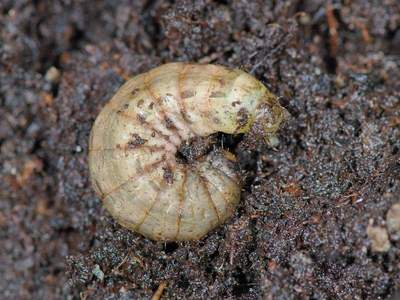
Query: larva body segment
x,y
135,138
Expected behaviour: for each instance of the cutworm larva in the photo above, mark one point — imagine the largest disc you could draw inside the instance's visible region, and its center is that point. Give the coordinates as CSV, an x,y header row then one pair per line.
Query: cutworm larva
x,y
135,139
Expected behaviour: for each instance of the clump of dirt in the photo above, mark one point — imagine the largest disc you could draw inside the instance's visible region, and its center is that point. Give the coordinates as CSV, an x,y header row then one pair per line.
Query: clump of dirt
x,y
301,229
195,148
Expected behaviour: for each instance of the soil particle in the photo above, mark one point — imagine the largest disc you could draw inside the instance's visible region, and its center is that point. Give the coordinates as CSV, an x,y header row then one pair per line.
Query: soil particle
x,y
379,238
195,148
393,221
136,141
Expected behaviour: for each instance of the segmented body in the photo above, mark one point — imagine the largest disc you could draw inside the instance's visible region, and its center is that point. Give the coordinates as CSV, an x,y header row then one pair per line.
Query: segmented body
x,y
133,145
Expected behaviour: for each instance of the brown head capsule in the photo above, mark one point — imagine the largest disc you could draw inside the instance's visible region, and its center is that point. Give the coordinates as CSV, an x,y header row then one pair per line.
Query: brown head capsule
x,y
135,138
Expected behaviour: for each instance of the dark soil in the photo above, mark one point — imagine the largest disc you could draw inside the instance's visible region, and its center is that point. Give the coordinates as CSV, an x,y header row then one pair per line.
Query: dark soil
x,y
300,231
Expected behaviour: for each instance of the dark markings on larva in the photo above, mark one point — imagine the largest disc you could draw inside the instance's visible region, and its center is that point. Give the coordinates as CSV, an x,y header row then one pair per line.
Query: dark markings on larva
x,y
140,118
203,182
150,127
140,103
234,103
136,141
124,107
135,91
145,124
169,123
147,212
181,102
168,174
242,118
157,99
145,170
208,182
181,201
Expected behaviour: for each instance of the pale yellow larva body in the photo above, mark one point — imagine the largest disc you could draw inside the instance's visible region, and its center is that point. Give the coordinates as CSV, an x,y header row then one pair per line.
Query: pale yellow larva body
x,y
135,138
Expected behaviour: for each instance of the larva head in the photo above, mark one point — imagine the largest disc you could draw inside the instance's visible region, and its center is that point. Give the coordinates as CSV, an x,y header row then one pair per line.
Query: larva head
x,y
269,116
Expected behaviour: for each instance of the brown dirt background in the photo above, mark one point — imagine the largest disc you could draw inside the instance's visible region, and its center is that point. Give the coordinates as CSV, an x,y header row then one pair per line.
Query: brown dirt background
x,y
300,229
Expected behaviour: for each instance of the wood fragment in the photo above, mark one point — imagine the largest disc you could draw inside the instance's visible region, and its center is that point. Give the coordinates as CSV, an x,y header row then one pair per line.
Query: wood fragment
x,y
159,291
333,26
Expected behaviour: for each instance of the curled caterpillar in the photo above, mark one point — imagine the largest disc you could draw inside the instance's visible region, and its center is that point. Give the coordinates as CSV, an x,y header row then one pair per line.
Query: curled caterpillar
x,y
135,139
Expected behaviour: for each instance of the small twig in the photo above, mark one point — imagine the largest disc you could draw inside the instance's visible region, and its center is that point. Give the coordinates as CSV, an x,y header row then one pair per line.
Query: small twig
x,y
158,293
209,58
116,269
255,67
364,31
333,26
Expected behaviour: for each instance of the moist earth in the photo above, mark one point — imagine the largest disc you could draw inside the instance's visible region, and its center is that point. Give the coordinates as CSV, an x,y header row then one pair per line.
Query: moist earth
x,y
315,208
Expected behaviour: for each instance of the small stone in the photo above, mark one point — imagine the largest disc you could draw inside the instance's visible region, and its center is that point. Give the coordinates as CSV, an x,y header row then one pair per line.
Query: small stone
x,y
304,18
379,238
98,272
53,75
393,221
272,141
